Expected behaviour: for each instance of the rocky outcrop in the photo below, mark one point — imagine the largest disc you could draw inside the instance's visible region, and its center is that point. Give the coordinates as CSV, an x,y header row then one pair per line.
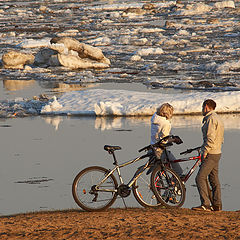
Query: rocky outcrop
x,y
46,57
75,62
16,59
65,51
83,50
73,54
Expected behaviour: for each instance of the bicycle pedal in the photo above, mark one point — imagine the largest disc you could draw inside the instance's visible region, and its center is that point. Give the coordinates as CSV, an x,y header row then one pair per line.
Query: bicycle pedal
x,y
153,197
173,200
179,193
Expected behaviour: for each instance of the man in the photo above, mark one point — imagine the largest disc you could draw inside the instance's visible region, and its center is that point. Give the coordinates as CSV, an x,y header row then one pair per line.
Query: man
x,y
213,131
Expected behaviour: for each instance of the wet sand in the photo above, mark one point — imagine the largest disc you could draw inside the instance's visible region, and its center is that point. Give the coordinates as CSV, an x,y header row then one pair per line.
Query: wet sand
x,y
132,223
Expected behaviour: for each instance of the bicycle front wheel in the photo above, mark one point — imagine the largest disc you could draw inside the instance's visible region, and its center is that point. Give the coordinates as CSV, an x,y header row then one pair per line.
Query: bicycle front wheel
x,y
87,192
142,191
168,187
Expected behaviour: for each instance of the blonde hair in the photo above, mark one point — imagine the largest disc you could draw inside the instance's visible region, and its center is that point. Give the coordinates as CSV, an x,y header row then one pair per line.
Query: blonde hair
x,y
165,110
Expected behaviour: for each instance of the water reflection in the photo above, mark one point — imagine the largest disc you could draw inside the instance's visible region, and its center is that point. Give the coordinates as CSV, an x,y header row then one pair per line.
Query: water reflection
x,y
107,123
231,121
14,85
30,88
66,87
54,121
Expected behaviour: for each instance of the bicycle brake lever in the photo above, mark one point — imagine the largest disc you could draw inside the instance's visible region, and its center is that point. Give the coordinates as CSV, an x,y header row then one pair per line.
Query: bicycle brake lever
x,y
186,152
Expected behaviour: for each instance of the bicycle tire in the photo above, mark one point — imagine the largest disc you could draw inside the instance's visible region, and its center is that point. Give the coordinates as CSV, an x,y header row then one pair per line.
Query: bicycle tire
x,y
168,187
84,183
142,191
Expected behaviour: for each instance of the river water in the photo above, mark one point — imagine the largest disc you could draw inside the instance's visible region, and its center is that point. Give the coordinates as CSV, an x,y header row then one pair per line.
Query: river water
x,y
40,157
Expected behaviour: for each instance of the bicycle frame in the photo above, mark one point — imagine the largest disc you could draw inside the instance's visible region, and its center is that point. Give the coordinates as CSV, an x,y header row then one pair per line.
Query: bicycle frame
x,y
117,168
183,178
96,188
141,169
193,168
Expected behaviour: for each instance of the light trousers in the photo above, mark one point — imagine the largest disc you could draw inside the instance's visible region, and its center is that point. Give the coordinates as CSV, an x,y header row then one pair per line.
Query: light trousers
x,y
209,172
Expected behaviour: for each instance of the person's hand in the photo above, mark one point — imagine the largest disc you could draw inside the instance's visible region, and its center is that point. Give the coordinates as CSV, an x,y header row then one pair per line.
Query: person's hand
x,y
204,155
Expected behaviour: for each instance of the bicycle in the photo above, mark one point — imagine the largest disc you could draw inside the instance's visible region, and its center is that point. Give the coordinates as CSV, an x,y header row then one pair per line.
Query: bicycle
x,y
96,188
165,185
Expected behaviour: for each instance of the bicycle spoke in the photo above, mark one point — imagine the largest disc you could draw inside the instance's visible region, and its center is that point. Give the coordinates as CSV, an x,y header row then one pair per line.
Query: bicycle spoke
x,y
167,187
86,193
143,193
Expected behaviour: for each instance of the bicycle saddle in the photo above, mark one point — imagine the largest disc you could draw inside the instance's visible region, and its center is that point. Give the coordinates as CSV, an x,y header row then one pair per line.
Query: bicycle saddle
x,y
111,148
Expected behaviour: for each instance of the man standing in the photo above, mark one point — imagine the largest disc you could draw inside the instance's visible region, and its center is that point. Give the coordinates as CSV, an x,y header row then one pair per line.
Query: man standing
x,y
213,131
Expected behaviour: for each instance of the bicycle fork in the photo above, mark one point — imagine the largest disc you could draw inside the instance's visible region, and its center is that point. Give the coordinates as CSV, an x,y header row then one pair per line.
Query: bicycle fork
x,y
169,192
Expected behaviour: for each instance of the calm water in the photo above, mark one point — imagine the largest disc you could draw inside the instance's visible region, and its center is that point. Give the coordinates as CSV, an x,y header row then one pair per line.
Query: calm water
x,y
40,156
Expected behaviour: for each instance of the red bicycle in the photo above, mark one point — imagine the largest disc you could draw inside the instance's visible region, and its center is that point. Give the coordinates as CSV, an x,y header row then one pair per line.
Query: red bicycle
x,y
196,158
167,186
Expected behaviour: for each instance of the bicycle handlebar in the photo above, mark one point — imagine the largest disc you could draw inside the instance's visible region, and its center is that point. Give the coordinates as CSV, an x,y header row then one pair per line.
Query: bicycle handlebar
x,y
171,139
190,150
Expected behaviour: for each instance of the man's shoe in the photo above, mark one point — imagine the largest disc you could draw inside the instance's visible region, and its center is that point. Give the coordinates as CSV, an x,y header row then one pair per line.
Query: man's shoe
x,y
202,208
216,208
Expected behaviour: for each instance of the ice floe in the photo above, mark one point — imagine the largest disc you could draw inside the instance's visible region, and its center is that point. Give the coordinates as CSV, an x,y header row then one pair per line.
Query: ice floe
x,y
180,39
132,103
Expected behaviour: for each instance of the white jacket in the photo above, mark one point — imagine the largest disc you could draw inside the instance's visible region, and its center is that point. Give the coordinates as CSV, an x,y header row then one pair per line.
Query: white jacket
x,y
160,127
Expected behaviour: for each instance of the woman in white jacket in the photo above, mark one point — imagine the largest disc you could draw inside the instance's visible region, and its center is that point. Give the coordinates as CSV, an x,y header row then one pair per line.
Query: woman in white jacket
x,y
161,127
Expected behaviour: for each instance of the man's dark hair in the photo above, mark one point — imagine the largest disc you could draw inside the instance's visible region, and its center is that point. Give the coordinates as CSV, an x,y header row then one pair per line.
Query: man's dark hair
x,y
210,103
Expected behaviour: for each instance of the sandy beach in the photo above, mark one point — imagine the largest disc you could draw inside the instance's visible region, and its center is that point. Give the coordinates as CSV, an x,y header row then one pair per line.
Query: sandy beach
x,y
134,223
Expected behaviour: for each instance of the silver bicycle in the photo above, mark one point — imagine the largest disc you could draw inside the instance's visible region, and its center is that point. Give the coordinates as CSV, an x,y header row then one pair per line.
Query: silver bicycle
x,y
96,188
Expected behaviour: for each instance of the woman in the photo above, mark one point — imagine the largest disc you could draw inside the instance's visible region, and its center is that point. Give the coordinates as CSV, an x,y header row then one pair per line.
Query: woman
x,y
161,127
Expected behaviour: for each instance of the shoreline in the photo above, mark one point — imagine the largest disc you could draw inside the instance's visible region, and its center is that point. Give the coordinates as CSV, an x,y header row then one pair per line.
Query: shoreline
x,y
134,223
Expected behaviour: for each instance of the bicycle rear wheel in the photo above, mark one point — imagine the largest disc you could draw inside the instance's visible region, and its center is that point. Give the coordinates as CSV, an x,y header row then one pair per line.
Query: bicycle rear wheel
x,y
168,187
87,195
142,191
